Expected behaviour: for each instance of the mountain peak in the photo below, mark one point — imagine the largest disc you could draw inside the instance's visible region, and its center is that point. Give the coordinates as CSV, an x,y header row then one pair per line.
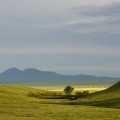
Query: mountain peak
x,y
12,70
31,70
35,75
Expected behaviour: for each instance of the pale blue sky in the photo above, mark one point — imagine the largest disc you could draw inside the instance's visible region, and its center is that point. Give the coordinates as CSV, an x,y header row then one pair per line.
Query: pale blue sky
x,y
65,36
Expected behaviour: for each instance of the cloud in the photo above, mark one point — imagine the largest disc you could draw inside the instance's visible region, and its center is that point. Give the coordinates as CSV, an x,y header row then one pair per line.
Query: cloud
x,y
87,17
97,51
91,19
96,19
111,9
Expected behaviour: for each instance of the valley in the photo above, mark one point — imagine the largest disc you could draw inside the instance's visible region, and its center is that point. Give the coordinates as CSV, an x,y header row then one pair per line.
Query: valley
x,y
16,104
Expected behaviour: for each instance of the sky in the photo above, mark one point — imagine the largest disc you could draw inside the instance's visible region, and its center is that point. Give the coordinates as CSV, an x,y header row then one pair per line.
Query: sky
x,y
64,36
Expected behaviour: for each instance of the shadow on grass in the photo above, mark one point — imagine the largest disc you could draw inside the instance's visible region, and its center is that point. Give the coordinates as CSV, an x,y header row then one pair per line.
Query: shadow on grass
x,y
108,103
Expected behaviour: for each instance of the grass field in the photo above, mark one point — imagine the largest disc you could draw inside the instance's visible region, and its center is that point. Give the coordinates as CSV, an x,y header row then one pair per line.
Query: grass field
x,y
76,88
16,105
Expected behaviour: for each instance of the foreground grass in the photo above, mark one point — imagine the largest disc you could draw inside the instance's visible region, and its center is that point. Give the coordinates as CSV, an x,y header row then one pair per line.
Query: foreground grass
x,y
16,105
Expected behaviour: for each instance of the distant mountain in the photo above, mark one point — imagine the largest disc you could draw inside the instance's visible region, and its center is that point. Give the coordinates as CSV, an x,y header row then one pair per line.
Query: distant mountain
x,y
34,75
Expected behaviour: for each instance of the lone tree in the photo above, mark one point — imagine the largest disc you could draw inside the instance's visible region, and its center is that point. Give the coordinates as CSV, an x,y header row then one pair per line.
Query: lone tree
x,y
68,90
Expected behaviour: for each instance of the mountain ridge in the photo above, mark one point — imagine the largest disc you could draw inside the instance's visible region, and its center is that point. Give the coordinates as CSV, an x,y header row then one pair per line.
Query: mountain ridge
x,y
35,75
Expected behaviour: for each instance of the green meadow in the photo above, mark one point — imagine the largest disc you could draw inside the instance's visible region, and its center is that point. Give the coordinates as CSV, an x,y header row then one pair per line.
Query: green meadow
x,y
15,104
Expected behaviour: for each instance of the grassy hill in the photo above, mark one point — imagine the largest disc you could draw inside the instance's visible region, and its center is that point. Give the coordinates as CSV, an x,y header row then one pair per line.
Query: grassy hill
x,y
114,87
16,105
106,98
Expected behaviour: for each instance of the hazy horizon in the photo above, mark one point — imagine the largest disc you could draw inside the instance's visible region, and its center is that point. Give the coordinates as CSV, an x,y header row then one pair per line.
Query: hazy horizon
x,y
64,36
22,70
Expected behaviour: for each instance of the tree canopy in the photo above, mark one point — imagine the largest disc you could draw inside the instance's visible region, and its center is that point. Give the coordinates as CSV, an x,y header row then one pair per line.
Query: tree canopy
x,y
68,89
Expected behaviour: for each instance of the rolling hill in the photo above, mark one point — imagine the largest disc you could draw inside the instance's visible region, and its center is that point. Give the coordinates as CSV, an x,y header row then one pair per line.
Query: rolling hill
x,y
106,98
15,75
16,105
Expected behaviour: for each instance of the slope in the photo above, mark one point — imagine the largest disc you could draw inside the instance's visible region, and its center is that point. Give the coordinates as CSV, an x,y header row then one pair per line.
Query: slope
x,y
16,105
106,98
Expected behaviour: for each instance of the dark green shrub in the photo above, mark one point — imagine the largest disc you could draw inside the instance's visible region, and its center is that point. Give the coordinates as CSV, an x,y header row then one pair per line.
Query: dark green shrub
x,y
85,93
68,90
81,94
78,94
